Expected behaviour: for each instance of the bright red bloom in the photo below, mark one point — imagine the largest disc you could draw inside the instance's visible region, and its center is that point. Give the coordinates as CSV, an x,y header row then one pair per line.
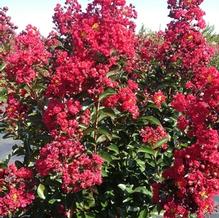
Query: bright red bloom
x,y
6,33
132,85
27,54
179,103
182,123
197,163
62,117
97,50
15,110
16,189
152,136
173,210
193,178
126,100
159,98
97,46
156,192
69,160
85,117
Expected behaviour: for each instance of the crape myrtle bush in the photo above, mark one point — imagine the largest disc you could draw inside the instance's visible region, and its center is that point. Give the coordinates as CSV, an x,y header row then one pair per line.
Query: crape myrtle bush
x,y
109,123
213,40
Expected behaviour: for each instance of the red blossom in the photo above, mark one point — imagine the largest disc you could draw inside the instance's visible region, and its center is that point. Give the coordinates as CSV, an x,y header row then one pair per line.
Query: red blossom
x,y
152,136
16,189
27,54
173,210
179,103
7,32
193,178
182,122
159,98
96,50
68,159
126,100
14,110
63,117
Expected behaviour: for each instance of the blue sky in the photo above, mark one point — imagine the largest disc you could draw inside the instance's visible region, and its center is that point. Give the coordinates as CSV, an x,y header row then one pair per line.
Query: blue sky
x,y
152,13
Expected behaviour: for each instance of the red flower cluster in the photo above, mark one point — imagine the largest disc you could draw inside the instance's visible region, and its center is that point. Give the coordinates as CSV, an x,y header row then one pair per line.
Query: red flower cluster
x,y
27,56
15,110
174,210
6,32
104,28
99,37
62,118
182,122
179,102
147,48
159,98
95,60
195,173
16,189
183,42
152,136
193,180
125,99
68,160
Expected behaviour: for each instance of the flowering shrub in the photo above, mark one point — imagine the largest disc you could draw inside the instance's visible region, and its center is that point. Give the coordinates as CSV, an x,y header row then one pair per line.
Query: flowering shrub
x,y
194,173
110,123
16,189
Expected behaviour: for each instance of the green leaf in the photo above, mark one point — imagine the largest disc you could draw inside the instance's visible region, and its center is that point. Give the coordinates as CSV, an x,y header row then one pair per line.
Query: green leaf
x,y
101,139
106,156
184,145
3,124
88,130
82,126
142,189
146,149
106,112
105,171
151,119
114,136
161,142
106,133
122,186
83,214
52,201
112,73
128,188
3,92
2,66
41,191
114,148
143,214
107,93
86,202
141,165
18,164
127,200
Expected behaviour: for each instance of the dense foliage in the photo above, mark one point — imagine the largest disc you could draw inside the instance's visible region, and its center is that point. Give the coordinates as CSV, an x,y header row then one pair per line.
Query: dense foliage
x,y
109,123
